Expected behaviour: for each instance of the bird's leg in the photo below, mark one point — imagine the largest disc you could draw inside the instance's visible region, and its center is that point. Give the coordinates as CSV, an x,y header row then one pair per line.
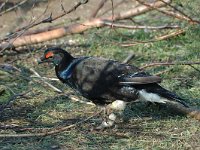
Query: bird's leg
x,y
105,112
109,109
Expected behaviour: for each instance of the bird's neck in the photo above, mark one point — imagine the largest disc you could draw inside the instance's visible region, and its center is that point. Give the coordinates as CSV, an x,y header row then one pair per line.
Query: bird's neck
x,y
65,62
63,69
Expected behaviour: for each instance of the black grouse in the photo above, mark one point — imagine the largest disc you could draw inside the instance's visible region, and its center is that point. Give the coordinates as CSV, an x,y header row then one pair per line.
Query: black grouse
x,y
108,82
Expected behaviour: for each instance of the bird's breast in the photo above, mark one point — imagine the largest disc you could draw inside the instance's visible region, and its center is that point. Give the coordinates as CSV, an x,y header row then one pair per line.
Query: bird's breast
x,y
66,74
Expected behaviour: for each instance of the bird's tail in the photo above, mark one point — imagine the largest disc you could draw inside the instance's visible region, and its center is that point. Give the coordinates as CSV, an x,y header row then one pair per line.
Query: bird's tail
x,y
178,104
191,112
172,96
166,94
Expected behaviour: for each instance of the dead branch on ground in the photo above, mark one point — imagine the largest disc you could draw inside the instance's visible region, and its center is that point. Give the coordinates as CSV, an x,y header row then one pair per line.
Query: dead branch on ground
x,y
160,38
45,82
178,14
128,58
181,12
168,64
117,25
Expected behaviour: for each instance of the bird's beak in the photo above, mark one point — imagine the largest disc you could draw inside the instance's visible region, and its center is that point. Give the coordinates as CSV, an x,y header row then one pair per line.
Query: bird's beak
x,y
42,60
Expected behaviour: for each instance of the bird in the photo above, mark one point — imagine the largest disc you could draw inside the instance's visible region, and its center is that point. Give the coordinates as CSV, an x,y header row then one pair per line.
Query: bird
x,y
111,84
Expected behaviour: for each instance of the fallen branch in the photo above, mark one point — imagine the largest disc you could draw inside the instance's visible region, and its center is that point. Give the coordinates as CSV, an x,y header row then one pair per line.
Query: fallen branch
x,y
73,98
47,83
45,78
189,111
130,56
77,99
180,15
195,68
160,38
117,25
76,28
162,72
51,132
168,64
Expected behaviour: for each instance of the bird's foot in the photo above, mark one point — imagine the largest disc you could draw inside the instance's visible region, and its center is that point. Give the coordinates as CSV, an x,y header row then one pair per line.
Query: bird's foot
x,y
107,123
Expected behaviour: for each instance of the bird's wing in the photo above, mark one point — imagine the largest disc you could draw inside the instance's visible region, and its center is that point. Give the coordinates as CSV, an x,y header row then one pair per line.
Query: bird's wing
x,y
109,71
139,78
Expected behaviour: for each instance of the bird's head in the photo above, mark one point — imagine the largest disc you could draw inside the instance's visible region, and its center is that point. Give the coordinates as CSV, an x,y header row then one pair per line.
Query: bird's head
x,y
55,55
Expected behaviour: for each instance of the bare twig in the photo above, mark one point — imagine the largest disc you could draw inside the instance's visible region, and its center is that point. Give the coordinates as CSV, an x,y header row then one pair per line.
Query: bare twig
x,y
9,67
100,5
47,83
168,64
50,132
177,15
130,56
73,98
49,19
172,34
195,68
81,2
45,78
114,134
112,10
19,33
113,7
117,25
3,4
160,38
182,13
76,99
162,72
15,6
29,32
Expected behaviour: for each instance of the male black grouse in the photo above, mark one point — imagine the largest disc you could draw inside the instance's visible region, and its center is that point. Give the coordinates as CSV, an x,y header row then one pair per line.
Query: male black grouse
x,y
108,82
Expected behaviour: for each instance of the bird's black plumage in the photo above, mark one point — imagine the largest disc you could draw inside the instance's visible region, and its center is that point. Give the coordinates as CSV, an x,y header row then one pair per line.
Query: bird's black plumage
x,y
104,81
